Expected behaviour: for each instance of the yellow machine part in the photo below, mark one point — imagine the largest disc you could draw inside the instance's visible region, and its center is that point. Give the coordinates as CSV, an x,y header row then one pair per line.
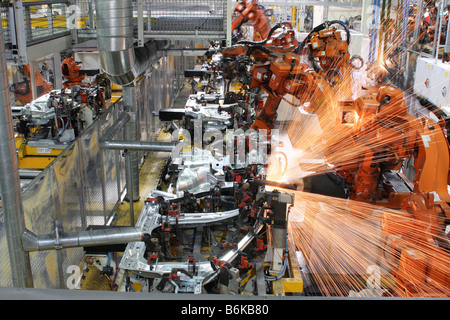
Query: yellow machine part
x,y
116,92
34,157
115,97
116,87
290,286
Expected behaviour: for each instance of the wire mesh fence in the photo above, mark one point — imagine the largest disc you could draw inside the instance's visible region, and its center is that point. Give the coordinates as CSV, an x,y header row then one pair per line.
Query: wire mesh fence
x,y
185,16
44,21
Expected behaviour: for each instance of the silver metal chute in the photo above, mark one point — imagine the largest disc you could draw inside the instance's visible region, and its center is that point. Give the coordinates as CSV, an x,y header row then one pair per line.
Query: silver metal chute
x,y
120,60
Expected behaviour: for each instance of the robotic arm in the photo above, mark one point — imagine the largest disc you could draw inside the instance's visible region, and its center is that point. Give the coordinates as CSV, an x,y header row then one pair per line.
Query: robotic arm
x,y
369,151
287,75
253,13
71,72
22,90
280,69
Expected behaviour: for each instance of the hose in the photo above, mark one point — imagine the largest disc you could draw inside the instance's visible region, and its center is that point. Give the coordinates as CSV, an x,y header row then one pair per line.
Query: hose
x,y
18,91
258,47
357,57
331,73
347,30
60,133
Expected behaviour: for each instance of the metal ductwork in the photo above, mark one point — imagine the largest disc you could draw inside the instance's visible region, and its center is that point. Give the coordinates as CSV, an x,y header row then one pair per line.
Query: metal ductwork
x,y
85,238
120,59
123,63
14,222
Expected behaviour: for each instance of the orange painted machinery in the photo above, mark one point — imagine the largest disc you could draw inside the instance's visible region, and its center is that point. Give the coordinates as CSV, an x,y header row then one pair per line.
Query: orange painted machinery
x,y
250,12
71,72
368,141
281,38
22,90
388,139
327,50
280,67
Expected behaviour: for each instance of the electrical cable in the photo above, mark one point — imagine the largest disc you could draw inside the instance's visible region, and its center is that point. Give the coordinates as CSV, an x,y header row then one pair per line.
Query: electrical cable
x,y
60,133
320,27
347,30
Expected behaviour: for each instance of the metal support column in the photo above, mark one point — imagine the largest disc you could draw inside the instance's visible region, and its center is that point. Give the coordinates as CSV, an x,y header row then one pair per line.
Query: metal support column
x,y
50,18
405,20
18,32
382,29
366,16
446,56
387,26
417,25
10,185
131,157
33,79
373,31
57,70
229,22
437,32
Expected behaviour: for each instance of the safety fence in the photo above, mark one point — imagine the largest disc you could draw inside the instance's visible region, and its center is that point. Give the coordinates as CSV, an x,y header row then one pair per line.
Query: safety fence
x,y
82,187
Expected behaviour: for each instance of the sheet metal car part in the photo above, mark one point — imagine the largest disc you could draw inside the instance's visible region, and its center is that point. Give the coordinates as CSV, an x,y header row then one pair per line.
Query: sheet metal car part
x,y
188,280
150,219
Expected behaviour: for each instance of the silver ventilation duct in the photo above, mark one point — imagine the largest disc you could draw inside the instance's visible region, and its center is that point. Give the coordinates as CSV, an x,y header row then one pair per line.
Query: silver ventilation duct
x,y
124,63
85,238
120,60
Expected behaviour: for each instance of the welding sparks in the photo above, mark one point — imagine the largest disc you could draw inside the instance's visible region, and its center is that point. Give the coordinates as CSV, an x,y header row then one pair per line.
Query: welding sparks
x,y
348,255
359,248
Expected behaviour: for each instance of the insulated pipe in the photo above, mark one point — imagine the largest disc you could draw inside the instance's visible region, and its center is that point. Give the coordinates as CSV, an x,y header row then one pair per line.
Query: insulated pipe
x,y
158,146
121,61
10,185
85,238
131,146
